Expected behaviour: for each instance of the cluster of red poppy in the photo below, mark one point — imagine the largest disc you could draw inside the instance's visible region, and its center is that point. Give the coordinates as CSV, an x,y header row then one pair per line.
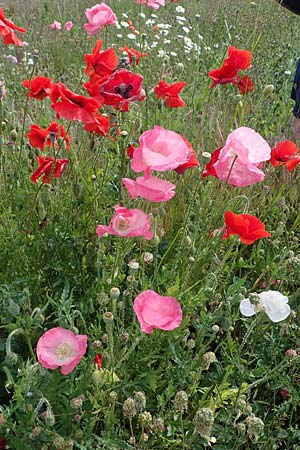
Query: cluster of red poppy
x,y
107,85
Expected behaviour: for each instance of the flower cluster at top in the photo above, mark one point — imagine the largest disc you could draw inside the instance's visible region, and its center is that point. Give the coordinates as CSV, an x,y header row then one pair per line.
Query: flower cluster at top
x,y
239,163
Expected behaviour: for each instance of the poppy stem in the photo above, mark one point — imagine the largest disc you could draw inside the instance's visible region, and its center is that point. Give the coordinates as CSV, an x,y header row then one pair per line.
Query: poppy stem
x,y
231,168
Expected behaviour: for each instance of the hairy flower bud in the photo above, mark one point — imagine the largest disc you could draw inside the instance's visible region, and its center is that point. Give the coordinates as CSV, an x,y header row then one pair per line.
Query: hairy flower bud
x,y
140,400
114,293
290,353
181,401
129,408
203,422
77,402
159,425
255,427
207,359
145,419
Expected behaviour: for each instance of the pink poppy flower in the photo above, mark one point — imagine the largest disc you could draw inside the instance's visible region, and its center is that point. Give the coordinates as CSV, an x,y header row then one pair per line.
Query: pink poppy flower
x,y
55,25
127,223
160,150
150,188
99,16
155,311
68,25
155,4
59,347
240,159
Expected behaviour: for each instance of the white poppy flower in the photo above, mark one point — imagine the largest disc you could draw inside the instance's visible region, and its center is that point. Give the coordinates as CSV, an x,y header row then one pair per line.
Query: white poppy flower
x,y
273,303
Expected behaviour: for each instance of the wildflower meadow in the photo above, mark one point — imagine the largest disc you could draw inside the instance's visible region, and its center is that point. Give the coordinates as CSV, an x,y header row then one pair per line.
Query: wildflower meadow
x,y
149,225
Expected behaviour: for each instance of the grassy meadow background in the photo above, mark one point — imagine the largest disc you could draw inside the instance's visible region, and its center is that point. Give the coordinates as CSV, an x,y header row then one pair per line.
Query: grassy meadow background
x,y
55,271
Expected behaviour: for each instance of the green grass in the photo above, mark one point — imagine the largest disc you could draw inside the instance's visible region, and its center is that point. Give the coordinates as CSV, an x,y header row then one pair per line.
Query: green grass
x,y
55,271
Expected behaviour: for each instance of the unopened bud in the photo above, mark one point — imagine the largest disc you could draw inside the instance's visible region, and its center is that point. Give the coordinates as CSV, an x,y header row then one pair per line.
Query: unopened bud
x,y
181,401
129,408
268,90
108,317
114,293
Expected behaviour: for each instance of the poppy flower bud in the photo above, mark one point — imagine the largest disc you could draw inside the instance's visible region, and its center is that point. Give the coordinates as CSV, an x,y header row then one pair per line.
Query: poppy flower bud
x,y
187,241
108,317
215,329
96,344
268,90
123,338
104,339
13,135
97,376
113,396
155,241
133,266
114,293
148,258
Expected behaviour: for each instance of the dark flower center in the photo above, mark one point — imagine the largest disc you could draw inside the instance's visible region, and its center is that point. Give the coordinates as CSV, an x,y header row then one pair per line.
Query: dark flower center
x,y
123,90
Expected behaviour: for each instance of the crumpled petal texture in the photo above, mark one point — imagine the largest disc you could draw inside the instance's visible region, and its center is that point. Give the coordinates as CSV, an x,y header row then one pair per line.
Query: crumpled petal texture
x,y
156,311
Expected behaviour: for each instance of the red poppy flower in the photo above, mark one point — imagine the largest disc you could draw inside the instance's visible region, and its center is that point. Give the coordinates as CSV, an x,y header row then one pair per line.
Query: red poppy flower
x,y
73,106
209,168
45,169
170,92
39,87
236,60
192,162
93,89
7,31
2,443
245,85
121,88
39,137
100,125
286,153
130,150
249,228
133,54
98,360
100,65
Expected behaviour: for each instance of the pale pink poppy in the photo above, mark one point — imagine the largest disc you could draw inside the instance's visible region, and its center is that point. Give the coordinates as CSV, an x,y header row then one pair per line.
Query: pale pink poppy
x,y
155,311
151,188
59,347
127,223
155,4
55,25
160,150
241,157
68,25
99,16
